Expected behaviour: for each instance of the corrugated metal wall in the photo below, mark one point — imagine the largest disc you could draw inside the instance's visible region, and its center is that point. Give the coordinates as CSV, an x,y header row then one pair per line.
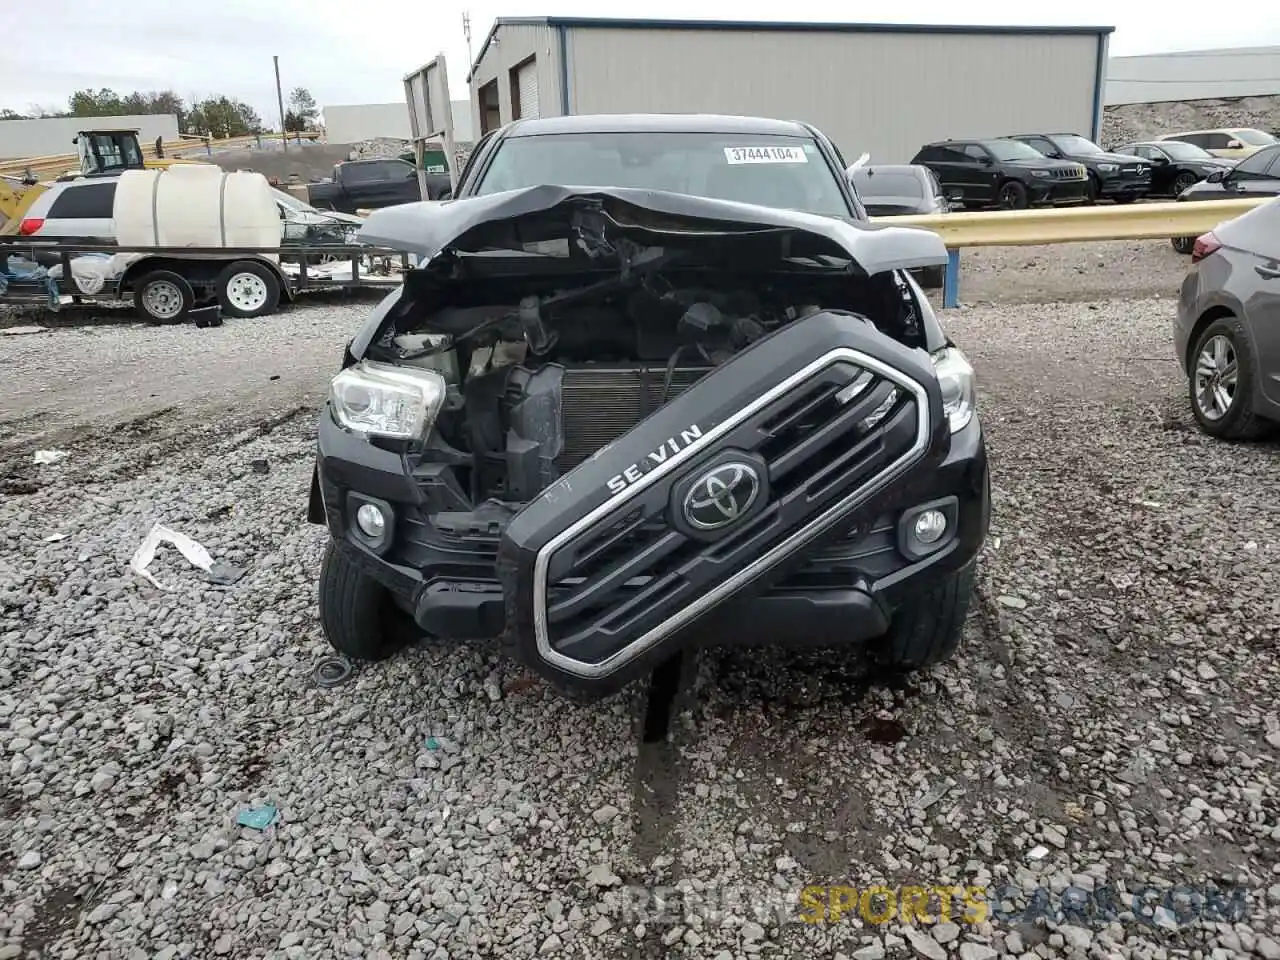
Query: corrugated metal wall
x,y
884,93
1194,75
511,47
53,136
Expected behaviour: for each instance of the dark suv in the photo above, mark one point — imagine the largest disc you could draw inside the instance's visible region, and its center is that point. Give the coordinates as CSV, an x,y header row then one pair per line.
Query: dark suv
x,y
1002,173
694,398
1112,176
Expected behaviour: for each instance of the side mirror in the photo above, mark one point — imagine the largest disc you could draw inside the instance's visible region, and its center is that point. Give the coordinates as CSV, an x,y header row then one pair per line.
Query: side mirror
x,y
446,195
1216,177
1159,161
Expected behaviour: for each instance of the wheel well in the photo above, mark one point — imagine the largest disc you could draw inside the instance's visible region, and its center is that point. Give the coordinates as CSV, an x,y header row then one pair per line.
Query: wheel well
x,y
1206,318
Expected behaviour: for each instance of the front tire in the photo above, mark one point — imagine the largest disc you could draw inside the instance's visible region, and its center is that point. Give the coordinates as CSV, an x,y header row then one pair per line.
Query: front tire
x,y
1220,379
1012,196
928,629
1183,245
358,615
1182,182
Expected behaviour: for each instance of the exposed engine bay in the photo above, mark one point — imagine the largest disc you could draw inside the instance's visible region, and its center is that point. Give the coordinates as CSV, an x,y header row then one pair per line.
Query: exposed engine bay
x,y
544,368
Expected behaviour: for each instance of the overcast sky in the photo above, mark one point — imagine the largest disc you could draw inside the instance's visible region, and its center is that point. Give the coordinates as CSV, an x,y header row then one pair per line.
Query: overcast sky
x,y
357,51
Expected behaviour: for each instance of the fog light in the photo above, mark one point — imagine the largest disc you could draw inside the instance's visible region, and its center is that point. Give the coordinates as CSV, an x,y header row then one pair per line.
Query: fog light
x,y
930,526
373,524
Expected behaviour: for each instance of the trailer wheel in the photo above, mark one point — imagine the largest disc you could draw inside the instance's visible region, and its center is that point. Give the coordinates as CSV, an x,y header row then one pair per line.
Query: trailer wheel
x,y
163,296
248,289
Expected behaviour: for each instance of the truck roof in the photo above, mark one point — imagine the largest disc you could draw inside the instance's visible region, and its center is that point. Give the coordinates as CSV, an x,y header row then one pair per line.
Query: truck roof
x,y
657,123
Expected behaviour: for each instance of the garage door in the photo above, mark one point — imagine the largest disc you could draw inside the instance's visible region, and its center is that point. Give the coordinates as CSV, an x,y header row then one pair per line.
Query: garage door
x,y
527,85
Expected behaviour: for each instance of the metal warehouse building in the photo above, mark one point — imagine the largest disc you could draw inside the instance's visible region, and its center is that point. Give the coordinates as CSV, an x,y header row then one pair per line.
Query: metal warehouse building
x,y
882,88
1194,75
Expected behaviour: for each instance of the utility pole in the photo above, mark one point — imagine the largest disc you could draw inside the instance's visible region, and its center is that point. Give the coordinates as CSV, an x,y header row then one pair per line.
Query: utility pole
x,y
466,32
284,134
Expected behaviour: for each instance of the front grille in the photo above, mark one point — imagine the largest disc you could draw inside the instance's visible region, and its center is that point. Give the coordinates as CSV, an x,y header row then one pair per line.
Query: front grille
x,y
600,404
1068,173
828,445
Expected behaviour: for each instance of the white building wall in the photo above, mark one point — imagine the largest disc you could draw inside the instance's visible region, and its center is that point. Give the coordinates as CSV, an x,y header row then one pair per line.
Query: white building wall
x,y
352,122
1194,75
884,93
54,136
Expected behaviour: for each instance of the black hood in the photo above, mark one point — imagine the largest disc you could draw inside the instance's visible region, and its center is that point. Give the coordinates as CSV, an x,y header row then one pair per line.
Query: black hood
x,y
515,219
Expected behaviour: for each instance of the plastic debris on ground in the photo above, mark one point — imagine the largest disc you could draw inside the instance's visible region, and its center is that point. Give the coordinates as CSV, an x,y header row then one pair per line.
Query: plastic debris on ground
x,y
43,457
22,331
332,671
433,743
257,818
196,554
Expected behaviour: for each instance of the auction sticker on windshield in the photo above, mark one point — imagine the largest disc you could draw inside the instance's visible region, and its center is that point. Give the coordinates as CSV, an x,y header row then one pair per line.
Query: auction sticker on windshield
x,y
765,155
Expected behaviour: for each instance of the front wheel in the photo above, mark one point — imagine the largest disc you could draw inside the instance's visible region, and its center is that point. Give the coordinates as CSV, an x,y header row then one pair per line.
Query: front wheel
x,y
1012,195
358,615
248,288
933,278
1221,382
1183,245
928,629
1183,181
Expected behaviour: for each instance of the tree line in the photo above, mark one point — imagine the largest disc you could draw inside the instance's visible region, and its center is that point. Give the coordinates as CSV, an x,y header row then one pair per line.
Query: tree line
x,y
217,116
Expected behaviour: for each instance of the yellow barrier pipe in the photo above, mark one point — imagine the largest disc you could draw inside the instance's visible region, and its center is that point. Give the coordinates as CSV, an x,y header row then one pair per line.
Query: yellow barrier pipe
x,y
1013,228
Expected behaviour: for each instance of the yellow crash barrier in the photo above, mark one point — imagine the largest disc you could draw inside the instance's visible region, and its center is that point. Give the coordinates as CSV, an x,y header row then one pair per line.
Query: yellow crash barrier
x,y
1016,228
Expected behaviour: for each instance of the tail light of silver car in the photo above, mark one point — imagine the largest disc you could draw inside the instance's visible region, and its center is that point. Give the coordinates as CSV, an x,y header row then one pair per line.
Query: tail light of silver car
x,y
1205,245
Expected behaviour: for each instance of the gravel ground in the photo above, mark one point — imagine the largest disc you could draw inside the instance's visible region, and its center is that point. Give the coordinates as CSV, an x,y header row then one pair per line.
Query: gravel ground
x,y
1110,721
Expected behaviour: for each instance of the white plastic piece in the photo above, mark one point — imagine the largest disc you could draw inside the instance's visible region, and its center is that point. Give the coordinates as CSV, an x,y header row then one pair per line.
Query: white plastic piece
x,y
196,554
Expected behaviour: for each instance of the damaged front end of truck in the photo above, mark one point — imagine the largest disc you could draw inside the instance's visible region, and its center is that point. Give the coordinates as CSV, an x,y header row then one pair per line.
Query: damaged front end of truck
x,y
603,424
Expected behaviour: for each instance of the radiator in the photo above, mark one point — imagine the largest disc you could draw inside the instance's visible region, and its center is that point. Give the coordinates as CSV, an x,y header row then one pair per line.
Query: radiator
x,y
602,403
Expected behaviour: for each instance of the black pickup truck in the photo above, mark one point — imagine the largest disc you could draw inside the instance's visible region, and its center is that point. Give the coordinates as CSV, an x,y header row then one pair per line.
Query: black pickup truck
x,y
604,424
372,184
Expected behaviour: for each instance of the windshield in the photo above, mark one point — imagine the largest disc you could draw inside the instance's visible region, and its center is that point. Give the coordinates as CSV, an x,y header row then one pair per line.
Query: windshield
x,y
1012,150
1073,145
1178,150
771,171
871,184
1254,138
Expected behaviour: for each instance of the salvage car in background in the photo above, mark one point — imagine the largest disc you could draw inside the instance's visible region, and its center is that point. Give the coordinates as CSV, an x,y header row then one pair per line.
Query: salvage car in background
x,y
1003,173
1111,176
1175,165
1257,175
1230,143
893,190
1227,335
691,398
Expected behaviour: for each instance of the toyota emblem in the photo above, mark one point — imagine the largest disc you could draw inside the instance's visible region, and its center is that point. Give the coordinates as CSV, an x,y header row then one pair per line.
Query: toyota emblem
x,y
721,495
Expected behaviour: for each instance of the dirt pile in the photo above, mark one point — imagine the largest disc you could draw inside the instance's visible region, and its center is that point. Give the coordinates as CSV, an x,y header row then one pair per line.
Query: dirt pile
x,y
1144,121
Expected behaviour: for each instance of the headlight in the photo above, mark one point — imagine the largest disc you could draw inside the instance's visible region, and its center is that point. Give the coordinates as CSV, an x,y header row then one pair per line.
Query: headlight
x,y
1107,168
384,400
1039,173
955,376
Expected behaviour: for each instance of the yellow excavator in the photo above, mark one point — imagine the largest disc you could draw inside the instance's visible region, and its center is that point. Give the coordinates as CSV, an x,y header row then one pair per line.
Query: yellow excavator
x,y
100,153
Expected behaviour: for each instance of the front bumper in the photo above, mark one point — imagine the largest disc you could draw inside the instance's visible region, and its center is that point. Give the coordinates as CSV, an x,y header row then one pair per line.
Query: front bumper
x,y
1057,192
1115,185
773,499
845,593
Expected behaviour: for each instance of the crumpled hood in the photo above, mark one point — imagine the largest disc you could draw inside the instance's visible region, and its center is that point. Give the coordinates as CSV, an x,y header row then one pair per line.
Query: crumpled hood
x,y
515,218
